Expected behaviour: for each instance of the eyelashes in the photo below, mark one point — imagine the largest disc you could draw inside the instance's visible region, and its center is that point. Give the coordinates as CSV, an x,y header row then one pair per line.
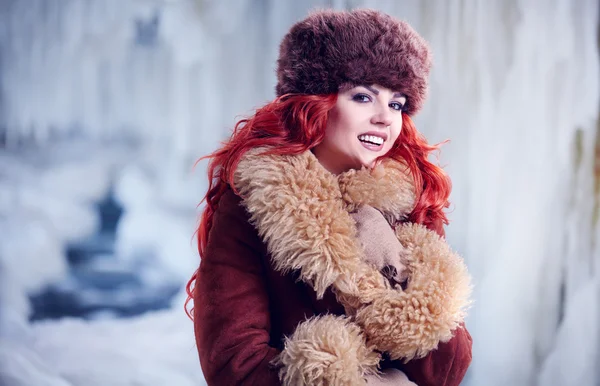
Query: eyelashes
x,y
362,98
397,106
365,98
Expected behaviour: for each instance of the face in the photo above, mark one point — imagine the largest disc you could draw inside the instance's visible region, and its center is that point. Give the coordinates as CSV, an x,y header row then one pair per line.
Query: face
x,y
363,125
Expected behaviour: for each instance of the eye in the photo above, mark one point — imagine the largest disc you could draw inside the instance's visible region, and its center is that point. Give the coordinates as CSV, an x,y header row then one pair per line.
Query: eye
x,y
361,98
397,106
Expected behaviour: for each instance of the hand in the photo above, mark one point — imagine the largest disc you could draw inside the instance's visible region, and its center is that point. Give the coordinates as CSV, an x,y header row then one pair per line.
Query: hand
x,y
380,244
390,377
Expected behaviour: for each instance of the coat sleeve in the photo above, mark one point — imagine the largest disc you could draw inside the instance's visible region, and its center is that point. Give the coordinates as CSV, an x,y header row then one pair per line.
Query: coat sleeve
x,y
231,303
445,366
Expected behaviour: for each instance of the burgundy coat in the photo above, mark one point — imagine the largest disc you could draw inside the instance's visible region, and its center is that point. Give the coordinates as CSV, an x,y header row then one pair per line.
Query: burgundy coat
x,y
243,309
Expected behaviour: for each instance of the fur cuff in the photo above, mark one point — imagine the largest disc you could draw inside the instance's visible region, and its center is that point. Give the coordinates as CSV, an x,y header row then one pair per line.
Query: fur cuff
x,y
409,324
325,351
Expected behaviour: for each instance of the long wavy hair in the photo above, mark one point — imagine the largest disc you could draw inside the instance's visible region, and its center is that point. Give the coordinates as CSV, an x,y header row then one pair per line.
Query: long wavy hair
x,y
293,124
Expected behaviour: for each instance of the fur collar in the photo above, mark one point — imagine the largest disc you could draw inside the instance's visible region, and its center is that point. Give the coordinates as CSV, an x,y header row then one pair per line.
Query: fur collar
x,y
301,211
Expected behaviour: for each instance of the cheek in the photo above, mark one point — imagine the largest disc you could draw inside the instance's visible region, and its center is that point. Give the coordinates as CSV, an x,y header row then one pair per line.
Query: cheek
x,y
337,134
394,136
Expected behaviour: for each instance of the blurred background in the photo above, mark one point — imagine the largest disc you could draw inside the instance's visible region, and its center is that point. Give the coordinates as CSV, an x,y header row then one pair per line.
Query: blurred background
x,y
105,105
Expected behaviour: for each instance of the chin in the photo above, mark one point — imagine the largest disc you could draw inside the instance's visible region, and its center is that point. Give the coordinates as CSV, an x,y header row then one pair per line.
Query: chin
x,y
369,164
369,160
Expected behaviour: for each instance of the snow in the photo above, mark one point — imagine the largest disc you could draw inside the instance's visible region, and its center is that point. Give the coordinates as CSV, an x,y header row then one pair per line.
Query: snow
x,y
46,204
156,349
150,223
30,257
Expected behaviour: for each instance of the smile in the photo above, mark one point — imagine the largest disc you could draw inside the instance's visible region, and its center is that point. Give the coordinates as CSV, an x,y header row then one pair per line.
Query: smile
x,y
371,139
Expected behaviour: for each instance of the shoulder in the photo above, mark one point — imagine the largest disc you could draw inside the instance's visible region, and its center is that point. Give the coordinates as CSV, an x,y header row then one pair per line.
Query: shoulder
x,y
230,209
231,221
230,202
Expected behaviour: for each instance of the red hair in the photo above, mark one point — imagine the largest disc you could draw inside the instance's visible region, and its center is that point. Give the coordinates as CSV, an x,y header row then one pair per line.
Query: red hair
x,y
295,123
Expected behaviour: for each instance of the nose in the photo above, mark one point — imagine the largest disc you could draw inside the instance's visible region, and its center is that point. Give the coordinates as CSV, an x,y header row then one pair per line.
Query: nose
x,y
382,116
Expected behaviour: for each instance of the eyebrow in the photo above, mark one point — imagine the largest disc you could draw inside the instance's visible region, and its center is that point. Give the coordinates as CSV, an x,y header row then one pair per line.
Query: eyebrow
x,y
376,92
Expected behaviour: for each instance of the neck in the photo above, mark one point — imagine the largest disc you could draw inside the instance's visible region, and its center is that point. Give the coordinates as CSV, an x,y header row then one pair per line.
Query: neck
x,y
330,161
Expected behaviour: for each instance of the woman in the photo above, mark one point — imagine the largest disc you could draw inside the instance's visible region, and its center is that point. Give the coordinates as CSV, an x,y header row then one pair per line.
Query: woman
x,y
348,83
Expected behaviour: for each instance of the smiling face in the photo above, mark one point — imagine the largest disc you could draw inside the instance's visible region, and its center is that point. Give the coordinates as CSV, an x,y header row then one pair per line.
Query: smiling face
x,y
363,125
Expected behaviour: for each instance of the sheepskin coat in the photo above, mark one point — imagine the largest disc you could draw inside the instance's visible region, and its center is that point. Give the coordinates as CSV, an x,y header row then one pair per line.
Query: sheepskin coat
x,y
283,250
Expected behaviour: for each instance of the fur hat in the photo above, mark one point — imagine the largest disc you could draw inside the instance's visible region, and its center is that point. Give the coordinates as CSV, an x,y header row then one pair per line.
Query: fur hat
x,y
330,49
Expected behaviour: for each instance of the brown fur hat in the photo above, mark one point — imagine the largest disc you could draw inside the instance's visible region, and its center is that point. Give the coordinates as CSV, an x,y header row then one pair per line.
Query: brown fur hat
x,y
330,49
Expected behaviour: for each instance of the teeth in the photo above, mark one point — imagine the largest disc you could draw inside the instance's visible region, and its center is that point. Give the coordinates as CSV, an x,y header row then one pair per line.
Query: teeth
x,y
371,138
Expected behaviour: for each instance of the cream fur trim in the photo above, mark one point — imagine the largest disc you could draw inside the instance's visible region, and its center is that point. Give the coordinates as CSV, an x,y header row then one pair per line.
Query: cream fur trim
x,y
326,351
301,212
